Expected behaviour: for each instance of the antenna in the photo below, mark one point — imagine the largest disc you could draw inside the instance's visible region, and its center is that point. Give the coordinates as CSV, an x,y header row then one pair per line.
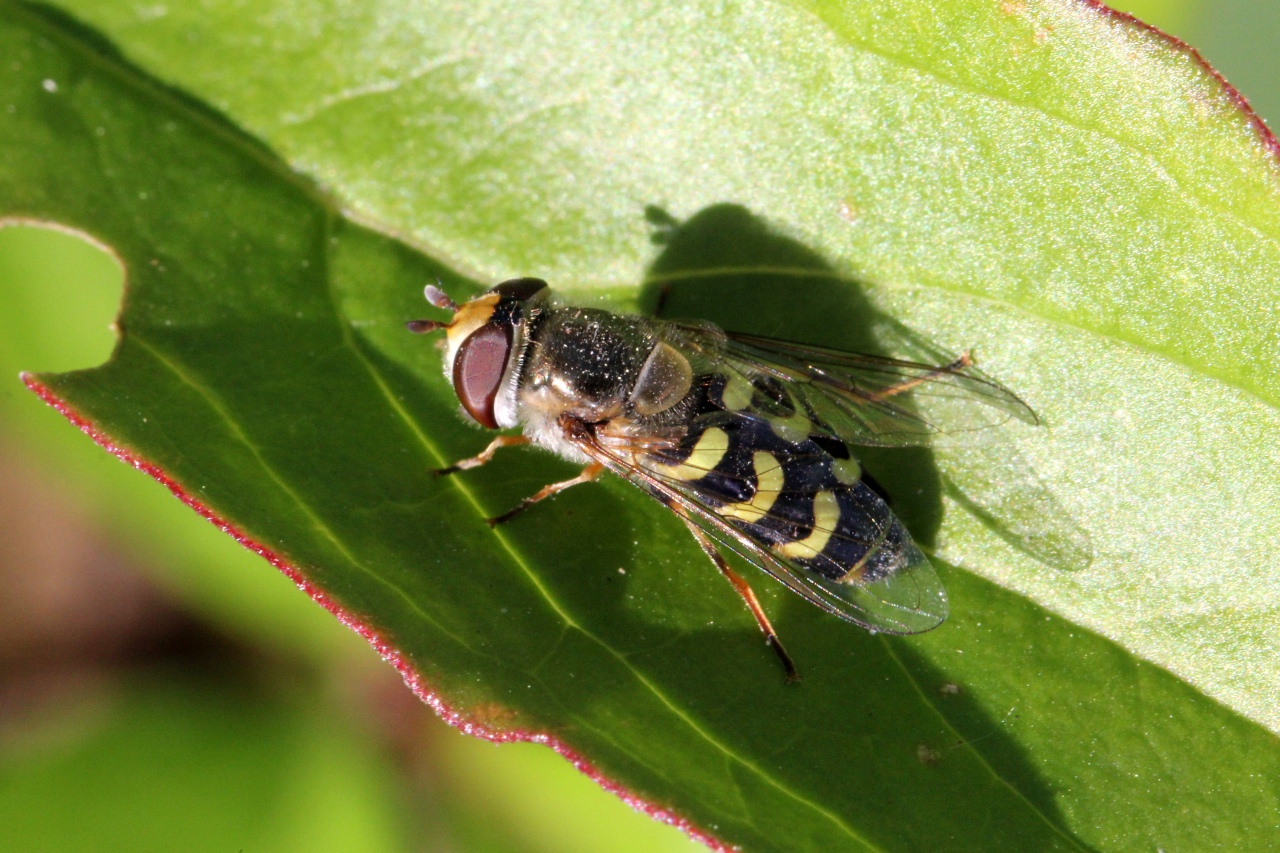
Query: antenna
x,y
439,298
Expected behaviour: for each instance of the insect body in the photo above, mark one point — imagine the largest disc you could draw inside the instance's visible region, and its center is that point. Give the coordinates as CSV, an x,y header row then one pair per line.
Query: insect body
x,y
748,440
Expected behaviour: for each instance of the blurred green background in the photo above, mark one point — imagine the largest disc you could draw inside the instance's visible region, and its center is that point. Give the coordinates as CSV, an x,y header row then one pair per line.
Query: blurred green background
x,y
162,689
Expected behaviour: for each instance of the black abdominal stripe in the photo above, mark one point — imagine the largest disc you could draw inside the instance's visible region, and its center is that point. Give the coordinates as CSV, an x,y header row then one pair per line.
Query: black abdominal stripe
x,y
758,461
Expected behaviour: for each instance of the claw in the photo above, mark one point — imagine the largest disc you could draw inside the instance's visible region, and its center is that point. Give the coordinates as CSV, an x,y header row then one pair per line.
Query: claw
x,y
506,516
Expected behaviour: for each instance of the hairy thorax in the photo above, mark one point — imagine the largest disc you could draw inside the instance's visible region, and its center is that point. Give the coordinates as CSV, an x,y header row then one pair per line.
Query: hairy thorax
x,y
602,369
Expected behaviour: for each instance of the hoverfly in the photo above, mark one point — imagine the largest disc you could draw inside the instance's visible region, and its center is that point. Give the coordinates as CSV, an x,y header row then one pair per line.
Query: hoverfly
x,y
747,439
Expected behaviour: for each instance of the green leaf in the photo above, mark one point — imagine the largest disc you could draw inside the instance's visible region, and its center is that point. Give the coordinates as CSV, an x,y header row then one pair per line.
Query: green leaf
x,y
57,298
1054,186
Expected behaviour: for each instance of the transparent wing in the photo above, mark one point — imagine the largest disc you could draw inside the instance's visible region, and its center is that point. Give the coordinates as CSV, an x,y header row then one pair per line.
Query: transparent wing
x,y
860,399
893,588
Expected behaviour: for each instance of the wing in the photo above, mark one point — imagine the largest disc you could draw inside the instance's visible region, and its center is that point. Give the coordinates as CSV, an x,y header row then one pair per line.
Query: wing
x,y
859,399
779,506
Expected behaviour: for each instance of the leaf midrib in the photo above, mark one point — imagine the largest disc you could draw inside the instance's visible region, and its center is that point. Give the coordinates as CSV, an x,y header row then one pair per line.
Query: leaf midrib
x,y
515,557
969,747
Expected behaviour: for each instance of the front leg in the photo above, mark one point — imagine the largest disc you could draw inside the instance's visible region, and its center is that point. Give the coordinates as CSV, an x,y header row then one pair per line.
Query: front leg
x,y
484,456
591,472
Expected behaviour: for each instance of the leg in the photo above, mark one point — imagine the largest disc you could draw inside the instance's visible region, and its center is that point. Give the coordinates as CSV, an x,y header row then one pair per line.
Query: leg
x,y
664,291
484,456
588,474
965,360
744,590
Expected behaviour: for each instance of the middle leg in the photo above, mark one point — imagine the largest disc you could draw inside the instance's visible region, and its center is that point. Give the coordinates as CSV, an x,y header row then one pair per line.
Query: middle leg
x,y
748,595
591,472
483,456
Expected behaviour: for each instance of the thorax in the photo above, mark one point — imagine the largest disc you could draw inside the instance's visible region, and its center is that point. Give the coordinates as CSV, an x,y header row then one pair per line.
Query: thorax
x,y
596,367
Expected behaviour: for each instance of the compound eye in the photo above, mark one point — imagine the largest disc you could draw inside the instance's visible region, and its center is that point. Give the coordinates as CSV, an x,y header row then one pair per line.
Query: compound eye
x,y
477,371
519,289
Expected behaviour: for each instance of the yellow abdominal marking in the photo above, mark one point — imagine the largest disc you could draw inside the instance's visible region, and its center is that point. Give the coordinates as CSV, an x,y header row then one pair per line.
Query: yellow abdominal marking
x,y
854,575
706,454
855,571
794,429
768,486
826,514
737,393
847,471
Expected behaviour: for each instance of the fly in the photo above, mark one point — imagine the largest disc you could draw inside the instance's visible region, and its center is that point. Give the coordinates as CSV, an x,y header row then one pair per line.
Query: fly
x,y
749,440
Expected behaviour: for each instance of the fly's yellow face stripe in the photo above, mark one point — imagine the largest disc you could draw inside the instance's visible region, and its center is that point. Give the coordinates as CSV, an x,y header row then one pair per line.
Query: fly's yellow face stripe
x,y
471,316
847,471
826,515
707,453
768,487
737,393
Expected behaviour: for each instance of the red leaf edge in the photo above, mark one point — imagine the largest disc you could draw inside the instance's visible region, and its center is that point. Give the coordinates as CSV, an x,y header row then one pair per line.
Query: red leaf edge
x,y
1233,94
385,650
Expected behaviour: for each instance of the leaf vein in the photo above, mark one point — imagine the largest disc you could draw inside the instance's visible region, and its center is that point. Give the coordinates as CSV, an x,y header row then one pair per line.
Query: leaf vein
x,y
978,756
370,88
316,522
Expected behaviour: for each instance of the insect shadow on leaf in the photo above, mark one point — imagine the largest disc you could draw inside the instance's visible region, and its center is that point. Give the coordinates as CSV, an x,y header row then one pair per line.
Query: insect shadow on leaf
x,y
728,266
